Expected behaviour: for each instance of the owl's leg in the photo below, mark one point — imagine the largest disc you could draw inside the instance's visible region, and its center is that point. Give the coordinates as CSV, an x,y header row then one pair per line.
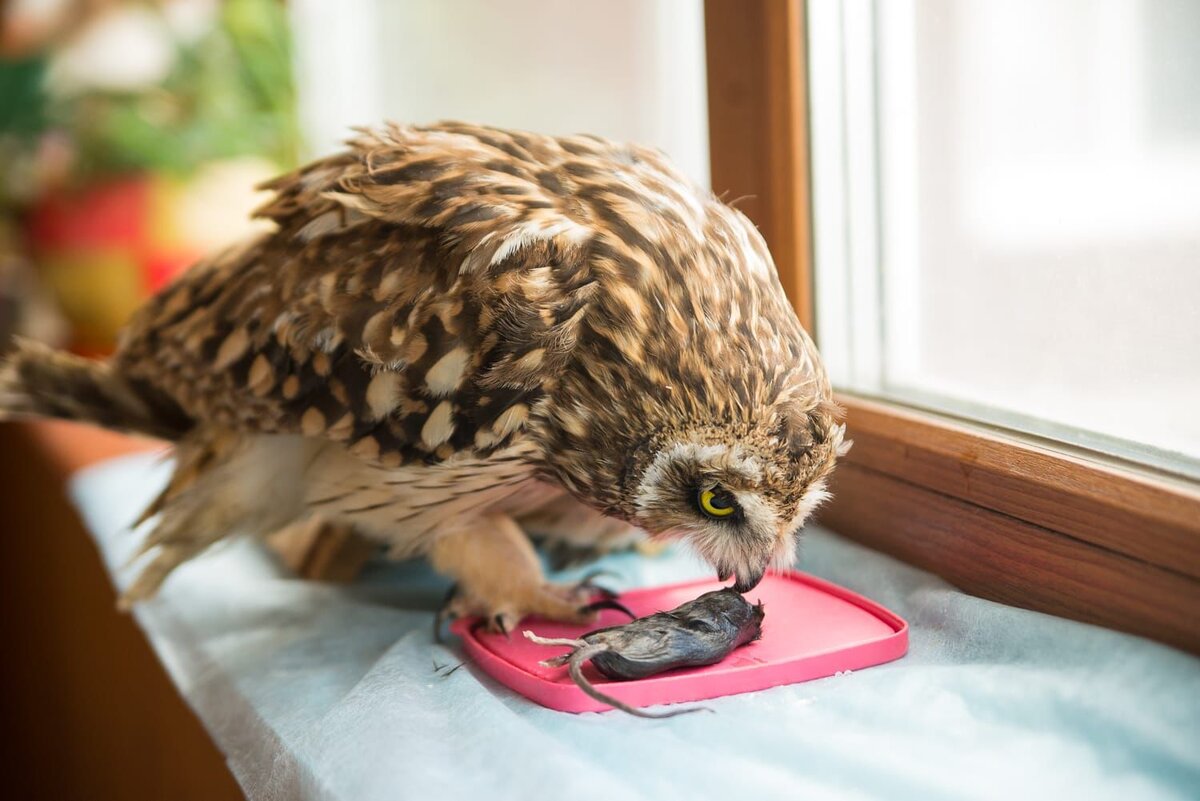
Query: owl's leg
x,y
322,549
572,534
499,577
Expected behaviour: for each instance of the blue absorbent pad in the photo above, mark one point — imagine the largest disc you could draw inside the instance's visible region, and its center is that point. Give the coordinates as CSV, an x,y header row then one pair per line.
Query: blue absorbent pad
x,y
330,692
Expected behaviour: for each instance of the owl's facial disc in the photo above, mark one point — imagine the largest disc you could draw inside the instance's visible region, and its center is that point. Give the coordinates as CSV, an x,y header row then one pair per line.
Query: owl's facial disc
x,y
718,498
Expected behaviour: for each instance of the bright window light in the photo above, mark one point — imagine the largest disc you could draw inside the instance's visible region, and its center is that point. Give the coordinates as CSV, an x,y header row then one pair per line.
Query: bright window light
x,y
1007,213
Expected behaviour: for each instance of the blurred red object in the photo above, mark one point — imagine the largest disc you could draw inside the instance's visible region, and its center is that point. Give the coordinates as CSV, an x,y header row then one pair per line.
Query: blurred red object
x,y
101,216
104,250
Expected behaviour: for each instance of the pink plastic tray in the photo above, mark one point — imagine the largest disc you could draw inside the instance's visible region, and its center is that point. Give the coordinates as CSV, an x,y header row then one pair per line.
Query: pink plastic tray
x,y
812,629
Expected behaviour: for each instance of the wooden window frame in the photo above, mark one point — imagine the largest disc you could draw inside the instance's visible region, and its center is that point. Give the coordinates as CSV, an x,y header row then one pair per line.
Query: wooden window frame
x,y
1001,515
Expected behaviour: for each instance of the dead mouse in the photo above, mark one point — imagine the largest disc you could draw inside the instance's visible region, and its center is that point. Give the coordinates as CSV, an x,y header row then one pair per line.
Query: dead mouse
x,y
700,632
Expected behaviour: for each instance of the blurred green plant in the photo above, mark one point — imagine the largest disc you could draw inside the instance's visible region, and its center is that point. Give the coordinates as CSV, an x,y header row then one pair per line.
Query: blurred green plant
x,y
228,93
22,113
23,120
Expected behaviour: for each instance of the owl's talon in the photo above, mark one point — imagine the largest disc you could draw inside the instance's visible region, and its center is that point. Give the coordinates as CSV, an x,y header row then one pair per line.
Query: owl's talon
x,y
588,582
439,623
445,612
606,603
602,591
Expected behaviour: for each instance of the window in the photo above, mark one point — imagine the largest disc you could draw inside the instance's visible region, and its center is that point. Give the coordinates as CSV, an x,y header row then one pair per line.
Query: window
x,y
1001,200
1007,214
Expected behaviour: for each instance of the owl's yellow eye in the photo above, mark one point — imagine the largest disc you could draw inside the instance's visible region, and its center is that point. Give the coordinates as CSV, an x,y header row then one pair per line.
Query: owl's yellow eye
x,y
716,503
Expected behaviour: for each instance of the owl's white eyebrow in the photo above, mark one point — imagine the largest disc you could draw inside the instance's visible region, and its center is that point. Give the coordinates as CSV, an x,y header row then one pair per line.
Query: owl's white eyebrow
x,y
721,455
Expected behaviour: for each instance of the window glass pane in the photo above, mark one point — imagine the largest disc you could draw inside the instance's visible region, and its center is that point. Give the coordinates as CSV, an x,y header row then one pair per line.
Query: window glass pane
x,y
1017,239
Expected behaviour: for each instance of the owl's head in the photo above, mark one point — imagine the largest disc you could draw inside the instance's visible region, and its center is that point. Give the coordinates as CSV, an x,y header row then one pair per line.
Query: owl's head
x,y
740,501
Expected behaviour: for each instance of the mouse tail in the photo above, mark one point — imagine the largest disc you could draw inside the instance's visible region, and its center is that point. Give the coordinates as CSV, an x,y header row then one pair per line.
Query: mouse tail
x,y
575,667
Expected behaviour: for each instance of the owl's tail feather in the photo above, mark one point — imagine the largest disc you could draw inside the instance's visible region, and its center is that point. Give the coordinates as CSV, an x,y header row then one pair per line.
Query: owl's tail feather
x,y
145,586
38,381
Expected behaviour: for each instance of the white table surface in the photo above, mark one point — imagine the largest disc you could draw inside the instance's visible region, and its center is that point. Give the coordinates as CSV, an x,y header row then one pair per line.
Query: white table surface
x,y
322,692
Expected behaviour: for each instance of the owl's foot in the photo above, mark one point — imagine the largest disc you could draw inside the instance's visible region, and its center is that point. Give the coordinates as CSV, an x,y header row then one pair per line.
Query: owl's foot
x,y
569,603
500,581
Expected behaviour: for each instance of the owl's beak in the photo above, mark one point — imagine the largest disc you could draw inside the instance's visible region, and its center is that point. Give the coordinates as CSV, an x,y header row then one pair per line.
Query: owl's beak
x,y
747,565
746,579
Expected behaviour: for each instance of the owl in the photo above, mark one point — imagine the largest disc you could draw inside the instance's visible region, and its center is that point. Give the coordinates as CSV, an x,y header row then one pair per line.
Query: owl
x,y
455,335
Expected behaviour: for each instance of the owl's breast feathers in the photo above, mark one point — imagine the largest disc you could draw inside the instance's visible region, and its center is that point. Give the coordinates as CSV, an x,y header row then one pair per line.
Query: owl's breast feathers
x,y
443,291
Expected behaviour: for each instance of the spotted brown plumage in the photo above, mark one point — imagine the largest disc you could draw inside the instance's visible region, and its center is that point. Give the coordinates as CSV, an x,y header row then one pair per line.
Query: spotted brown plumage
x,y
453,325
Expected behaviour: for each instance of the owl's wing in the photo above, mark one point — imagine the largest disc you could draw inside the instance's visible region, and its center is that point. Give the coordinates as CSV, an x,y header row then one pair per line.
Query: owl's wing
x,y
419,292
487,191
